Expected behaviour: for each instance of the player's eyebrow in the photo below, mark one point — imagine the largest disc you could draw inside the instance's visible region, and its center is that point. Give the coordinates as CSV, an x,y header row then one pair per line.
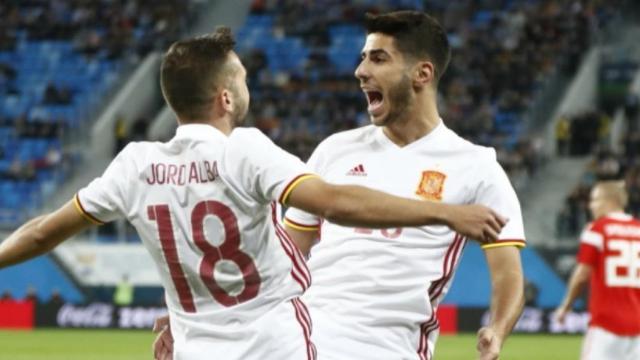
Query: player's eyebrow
x,y
374,52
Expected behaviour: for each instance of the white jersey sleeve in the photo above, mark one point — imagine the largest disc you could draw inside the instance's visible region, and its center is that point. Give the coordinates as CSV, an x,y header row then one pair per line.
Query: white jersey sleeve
x,y
299,219
104,199
260,170
496,192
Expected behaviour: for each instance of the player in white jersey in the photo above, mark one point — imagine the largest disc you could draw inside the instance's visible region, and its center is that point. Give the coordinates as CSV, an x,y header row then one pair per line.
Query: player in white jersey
x,y
375,292
204,206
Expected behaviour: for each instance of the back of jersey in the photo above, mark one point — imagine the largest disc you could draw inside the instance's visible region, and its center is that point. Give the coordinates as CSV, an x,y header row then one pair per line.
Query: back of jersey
x,y
203,206
611,246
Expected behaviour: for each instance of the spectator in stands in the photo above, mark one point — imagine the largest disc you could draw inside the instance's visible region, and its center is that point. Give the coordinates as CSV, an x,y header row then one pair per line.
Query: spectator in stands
x,y
19,170
6,296
123,294
31,295
530,293
51,160
7,71
120,133
7,37
563,135
139,129
55,300
54,95
564,227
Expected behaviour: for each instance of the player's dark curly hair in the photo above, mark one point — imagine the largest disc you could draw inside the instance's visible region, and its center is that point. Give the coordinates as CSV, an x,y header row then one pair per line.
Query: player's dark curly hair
x,y
193,71
417,35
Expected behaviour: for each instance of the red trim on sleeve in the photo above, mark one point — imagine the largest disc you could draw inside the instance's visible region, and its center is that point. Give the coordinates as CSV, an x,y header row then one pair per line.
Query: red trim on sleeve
x,y
287,189
85,212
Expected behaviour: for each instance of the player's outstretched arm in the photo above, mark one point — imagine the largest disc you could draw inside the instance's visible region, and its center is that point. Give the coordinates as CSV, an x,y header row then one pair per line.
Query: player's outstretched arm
x,y
351,205
507,299
577,283
42,234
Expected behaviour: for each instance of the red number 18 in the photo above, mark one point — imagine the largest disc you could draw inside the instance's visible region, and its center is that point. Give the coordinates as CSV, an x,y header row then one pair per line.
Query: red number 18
x,y
228,250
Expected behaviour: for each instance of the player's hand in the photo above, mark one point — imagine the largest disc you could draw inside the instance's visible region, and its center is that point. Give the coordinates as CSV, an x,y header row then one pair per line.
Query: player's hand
x,y
163,345
561,313
476,222
489,344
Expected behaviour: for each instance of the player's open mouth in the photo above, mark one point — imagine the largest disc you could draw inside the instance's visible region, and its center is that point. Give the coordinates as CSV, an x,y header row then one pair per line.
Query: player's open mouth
x,y
375,100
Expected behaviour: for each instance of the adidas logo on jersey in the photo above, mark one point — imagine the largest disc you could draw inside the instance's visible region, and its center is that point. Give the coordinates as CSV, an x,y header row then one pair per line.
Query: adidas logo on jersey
x,y
357,171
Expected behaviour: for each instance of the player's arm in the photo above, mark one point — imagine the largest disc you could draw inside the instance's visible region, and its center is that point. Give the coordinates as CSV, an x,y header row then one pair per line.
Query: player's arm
x,y
507,298
303,238
42,234
351,205
579,279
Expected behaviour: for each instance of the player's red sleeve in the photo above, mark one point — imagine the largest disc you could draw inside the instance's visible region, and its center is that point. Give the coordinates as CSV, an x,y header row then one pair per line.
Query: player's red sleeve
x,y
588,254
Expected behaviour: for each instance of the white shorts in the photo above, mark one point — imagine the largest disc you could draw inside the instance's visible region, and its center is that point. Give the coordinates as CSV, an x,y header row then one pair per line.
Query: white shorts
x,y
282,334
600,344
338,340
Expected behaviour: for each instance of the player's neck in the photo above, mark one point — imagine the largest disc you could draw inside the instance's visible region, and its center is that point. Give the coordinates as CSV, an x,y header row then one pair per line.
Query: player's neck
x,y
417,122
606,211
224,125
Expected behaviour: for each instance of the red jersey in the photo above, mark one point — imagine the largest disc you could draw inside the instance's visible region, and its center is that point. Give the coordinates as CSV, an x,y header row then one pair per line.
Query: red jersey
x,y
611,246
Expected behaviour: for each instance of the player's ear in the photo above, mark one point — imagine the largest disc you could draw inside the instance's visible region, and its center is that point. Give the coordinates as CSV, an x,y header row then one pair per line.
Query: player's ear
x,y
226,100
424,74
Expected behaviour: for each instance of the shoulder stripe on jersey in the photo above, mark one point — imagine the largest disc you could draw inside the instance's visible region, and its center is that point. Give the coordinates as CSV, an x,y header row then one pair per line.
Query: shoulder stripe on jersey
x,y
592,238
295,182
92,219
301,227
502,243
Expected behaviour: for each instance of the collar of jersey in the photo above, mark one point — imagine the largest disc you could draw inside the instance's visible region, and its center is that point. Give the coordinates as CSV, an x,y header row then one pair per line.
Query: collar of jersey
x,y
199,131
618,215
384,139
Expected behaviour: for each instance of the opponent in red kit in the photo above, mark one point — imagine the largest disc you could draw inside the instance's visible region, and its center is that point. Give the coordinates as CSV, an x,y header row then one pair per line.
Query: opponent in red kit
x,y
609,256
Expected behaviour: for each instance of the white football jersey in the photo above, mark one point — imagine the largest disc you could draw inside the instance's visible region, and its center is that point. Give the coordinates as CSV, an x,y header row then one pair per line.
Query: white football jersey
x,y
204,206
375,292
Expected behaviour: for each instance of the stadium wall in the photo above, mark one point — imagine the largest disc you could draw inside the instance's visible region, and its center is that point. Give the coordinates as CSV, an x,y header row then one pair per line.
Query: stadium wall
x,y
29,315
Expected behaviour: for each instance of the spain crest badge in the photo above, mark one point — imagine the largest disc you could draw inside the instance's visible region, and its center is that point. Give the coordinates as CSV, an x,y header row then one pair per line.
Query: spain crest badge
x,y
431,185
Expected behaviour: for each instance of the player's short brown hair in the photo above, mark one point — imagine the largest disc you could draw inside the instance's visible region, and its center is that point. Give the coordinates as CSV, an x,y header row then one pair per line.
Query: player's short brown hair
x,y
194,70
416,34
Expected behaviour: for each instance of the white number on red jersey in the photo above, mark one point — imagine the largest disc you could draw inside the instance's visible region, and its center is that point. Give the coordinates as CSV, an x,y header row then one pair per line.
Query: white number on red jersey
x,y
623,268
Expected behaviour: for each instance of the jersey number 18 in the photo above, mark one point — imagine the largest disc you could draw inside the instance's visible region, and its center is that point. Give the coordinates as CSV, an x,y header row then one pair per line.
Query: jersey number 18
x,y
229,250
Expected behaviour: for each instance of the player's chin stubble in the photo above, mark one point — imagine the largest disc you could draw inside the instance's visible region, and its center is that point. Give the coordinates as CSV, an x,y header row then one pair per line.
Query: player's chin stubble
x,y
399,97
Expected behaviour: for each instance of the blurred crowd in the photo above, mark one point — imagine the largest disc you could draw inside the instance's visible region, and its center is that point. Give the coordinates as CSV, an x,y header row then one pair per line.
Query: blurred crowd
x,y
107,26
593,138
55,299
55,56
